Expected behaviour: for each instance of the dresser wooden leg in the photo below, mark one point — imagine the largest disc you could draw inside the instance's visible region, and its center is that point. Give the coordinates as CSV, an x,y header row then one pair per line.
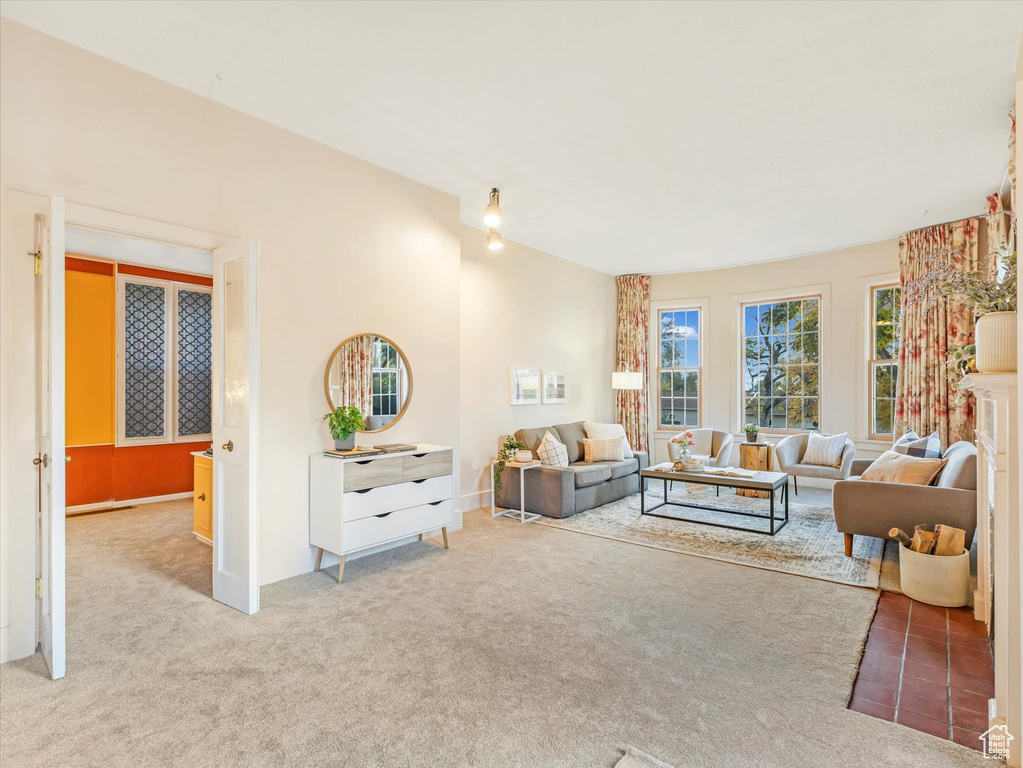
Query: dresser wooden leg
x,y
848,544
444,532
319,557
340,569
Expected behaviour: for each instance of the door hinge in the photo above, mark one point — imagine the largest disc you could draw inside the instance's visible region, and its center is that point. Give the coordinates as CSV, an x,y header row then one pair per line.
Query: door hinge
x,y
39,589
37,257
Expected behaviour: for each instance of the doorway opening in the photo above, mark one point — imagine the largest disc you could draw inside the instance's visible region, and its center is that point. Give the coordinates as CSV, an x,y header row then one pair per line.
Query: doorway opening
x,y
156,402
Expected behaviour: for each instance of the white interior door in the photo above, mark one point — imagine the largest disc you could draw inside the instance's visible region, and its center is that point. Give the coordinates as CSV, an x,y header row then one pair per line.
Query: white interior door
x,y
235,425
49,241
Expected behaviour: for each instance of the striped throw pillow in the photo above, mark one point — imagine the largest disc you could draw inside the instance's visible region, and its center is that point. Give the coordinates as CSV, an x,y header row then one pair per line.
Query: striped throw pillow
x,y
551,452
603,449
911,444
824,451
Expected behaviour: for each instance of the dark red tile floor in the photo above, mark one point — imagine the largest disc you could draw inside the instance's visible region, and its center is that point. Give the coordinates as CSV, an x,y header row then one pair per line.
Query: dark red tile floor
x,y
928,668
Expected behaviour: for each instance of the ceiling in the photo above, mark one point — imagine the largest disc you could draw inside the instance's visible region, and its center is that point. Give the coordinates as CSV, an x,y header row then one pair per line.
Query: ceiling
x,y
627,136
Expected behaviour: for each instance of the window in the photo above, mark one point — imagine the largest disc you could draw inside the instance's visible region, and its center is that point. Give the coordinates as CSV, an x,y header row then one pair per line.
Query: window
x,y
886,311
679,368
164,371
781,364
387,379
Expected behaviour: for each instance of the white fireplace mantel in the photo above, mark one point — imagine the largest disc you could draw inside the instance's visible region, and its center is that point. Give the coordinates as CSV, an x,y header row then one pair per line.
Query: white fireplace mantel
x,y
1000,543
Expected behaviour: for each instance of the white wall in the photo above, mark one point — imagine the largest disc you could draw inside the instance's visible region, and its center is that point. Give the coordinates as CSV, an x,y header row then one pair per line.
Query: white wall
x,y
524,308
346,247
843,278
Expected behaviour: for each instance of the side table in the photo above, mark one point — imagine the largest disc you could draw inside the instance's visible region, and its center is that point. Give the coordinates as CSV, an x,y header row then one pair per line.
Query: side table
x,y
523,467
755,456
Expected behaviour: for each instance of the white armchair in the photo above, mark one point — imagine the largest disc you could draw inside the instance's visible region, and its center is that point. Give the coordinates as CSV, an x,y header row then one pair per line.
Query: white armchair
x,y
712,446
789,455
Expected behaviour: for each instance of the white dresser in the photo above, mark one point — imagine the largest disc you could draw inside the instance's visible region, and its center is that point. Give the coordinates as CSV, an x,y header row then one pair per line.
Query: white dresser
x,y
359,503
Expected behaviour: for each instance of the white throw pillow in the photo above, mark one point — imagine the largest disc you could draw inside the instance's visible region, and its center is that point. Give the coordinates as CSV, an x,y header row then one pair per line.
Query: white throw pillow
x,y
911,444
551,452
603,449
596,431
824,451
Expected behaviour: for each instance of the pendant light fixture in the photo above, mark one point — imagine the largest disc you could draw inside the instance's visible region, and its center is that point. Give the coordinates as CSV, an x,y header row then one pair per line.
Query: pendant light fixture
x,y
492,215
494,241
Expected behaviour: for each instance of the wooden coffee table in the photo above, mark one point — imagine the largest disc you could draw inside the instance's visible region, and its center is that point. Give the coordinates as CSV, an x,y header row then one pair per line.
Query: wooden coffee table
x,y
768,482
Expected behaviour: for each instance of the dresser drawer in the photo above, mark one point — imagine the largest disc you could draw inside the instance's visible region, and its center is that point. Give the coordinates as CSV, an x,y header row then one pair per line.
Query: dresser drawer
x,y
371,473
374,501
369,531
418,466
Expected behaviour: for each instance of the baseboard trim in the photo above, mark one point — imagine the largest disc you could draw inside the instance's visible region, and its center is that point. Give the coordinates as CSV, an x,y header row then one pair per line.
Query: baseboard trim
x,y
475,500
5,644
78,508
290,564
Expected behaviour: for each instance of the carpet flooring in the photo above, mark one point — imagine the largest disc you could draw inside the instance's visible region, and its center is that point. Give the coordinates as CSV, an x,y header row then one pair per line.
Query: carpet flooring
x,y
521,646
808,545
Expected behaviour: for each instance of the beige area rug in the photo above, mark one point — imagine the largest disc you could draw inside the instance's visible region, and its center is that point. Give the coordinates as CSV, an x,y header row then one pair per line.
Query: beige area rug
x,y
809,545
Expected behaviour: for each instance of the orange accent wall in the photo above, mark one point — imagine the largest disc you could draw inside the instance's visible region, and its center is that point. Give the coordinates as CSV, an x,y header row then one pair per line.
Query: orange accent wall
x,y
90,475
154,470
100,472
163,274
89,325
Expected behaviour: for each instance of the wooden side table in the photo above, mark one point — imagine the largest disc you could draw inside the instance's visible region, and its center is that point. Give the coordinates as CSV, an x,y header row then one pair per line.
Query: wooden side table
x,y
524,517
755,456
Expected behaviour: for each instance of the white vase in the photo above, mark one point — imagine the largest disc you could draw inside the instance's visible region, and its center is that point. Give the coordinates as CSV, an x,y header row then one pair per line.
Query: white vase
x,y
995,337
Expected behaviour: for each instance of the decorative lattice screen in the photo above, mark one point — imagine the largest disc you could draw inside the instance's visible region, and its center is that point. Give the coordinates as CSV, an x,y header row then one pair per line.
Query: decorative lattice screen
x,y
195,380
145,336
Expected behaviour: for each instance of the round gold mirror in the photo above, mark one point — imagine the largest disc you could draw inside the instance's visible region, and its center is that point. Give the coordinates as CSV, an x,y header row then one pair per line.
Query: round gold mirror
x,y
370,372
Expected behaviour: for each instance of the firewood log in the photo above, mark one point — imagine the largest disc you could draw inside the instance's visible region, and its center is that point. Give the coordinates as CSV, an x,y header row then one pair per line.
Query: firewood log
x,y
899,535
949,540
923,542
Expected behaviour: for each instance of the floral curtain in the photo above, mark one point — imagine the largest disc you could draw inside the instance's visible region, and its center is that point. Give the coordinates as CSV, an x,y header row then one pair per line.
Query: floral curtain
x,y
932,325
355,373
631,355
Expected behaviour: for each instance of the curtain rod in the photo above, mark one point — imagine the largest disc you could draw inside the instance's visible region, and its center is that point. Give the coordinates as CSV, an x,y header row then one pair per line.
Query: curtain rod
x,y
955,221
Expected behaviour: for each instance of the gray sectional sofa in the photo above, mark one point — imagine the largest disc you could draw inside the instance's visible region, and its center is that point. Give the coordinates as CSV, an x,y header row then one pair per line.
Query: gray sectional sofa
x,y
565,491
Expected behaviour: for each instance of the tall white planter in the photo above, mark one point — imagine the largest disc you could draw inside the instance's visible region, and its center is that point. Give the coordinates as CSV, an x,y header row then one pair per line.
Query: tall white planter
x,y
995,337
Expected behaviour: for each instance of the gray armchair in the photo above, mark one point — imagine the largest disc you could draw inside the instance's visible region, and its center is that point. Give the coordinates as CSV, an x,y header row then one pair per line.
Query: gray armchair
x,y
789,455
865,508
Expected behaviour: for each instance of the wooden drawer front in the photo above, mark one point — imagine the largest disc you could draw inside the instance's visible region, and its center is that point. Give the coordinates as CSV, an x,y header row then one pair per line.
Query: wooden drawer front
x,y
360,475
419,466
202,498
369,531
374,501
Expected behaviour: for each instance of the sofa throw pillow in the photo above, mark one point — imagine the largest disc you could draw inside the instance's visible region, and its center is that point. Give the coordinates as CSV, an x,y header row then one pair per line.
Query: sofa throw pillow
x,y
603,449
892,467
824,450
551,452
596,431
911,444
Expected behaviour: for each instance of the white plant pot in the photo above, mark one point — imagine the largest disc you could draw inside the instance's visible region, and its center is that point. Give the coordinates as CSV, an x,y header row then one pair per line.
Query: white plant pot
x,y
995,337
935,579
523,456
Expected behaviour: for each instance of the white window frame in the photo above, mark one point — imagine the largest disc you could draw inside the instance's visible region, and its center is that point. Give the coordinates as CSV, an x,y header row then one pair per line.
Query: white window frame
x,y
399,388
654,360
656,390
870,328
170,392
821,292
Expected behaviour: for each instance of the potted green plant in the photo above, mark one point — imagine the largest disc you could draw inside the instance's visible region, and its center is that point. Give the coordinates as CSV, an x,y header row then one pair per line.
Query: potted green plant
x,y
993,297
506,454
752,432
344,422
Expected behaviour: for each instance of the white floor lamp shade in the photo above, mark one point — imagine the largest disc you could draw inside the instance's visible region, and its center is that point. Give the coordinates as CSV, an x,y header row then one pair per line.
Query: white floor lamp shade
x,y
626,380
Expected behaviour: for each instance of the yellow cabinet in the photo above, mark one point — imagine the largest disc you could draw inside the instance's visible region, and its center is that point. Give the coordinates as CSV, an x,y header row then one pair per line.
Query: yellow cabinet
x,y
202,497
